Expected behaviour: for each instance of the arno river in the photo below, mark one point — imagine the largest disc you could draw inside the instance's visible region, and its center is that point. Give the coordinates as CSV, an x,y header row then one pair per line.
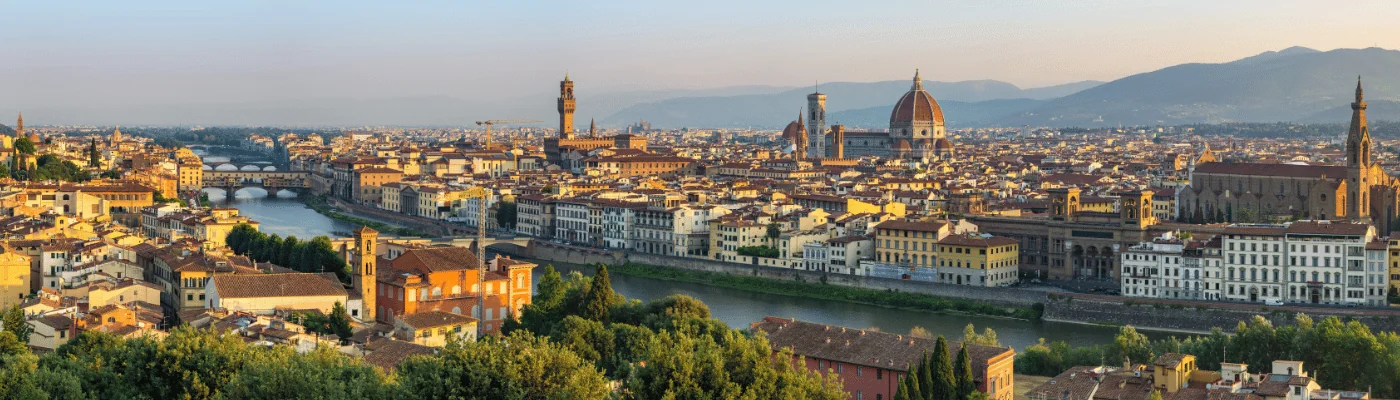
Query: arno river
x,y
284,214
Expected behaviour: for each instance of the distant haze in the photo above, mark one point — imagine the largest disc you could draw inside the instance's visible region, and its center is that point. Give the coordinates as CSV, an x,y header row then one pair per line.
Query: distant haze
x,y
450,63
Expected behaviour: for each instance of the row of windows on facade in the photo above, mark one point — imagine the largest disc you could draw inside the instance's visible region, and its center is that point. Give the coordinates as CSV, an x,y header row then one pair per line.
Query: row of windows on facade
x,y
904,245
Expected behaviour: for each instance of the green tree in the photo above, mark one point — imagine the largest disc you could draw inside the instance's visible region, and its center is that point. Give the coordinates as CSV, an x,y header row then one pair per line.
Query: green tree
x,y
1156,395
599,300
942,386
10,345
518,366
1131,346
94,158
774,231
14,322
680,365
320,374
988,337
963,374
506,214
24,146
340,321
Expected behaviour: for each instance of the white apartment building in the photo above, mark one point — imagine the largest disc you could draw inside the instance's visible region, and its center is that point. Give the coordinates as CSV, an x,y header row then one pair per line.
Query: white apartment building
x,y
1308,262
1212,268
571,220
1327,262
619,220
1254,263
1149,268
1376,273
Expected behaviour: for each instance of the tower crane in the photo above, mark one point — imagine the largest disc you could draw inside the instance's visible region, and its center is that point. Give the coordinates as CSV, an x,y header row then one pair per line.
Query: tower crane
x,y
488,123
481,194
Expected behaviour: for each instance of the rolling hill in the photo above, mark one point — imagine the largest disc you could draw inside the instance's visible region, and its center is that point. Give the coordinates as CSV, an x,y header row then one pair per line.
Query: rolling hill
x,y
1295,84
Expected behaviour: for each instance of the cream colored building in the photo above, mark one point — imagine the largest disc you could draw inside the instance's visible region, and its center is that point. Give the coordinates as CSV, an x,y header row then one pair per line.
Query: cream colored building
x,y
434,328
266,293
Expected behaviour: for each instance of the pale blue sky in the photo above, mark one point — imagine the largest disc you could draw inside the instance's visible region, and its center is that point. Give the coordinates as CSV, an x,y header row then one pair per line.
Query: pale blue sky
x,y
102,54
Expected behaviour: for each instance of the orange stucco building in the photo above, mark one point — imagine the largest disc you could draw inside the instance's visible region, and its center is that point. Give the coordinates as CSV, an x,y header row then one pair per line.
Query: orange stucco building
x,y
447,279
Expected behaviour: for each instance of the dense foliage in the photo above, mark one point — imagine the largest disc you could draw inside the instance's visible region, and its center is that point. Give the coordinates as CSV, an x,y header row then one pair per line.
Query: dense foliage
x,y
506,214
938,377
815,290
758,251
1345,355
667,348
316,255
49,167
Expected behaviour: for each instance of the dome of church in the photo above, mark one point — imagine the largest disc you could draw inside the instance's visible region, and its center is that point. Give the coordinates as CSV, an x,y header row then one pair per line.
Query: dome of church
x,y
942,144
792,130
916,106
902,144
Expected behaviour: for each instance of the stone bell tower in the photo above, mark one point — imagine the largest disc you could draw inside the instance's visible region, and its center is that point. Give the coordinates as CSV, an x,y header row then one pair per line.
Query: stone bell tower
x,y
364,279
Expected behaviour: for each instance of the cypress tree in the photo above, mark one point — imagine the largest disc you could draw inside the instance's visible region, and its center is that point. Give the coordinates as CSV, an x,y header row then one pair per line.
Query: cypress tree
x,y
963,374
915,390
598,301
941,369
925,377
902,392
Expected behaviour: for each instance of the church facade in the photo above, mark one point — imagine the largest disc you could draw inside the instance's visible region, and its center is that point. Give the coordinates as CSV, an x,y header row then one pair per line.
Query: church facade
x,y
1359,190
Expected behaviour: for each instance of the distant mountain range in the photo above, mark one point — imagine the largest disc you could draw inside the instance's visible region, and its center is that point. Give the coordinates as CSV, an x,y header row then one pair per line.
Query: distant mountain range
x,y
1296,84
858,101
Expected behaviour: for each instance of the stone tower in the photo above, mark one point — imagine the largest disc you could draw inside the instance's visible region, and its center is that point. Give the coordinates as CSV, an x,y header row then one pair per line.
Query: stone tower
x,y
566,108
364,278
799,148
816,125
1359,169
592,128
1358,135
838,142
1135,209
19,127
1064,203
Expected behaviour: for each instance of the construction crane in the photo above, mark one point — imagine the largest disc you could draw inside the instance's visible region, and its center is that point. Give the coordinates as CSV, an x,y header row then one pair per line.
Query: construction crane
x,y
491,122
481,195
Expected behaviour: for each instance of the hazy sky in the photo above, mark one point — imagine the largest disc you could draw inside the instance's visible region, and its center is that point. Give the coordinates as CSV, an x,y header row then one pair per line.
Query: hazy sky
x,y
111,54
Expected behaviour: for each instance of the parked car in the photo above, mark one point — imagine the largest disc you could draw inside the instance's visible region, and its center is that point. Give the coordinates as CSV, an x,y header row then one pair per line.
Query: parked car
x,y
1272,302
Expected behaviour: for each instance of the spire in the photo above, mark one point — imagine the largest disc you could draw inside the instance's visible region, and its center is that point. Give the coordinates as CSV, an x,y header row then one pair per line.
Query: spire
x,y
566,75
918,82
1359,99
592,128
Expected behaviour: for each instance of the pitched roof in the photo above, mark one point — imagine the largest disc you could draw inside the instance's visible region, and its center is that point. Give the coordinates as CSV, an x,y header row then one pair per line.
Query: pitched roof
x,y
276,285
433,319
1276,170
435,259
864,347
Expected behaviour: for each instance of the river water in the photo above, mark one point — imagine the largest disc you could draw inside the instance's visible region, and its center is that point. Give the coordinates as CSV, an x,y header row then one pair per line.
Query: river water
x,y
287,215
284,214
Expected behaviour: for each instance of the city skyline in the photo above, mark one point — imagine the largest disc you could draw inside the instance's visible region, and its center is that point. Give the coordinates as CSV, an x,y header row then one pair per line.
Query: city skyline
x,y
102,61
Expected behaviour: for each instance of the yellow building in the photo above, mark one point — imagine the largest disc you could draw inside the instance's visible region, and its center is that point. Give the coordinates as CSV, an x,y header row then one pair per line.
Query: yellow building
x,y
14,279
1172,371
1394,262
191,170
434,328
728,235
977,260
266,293
909,243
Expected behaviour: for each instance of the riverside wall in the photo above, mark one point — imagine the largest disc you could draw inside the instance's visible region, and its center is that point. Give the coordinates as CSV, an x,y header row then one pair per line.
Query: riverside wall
x,y
1152,314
